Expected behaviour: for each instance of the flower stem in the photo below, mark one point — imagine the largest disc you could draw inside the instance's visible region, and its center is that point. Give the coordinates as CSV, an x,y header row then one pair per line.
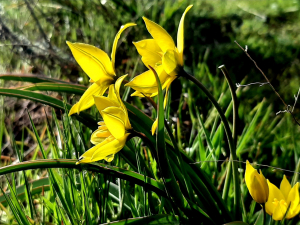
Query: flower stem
x,y
230,140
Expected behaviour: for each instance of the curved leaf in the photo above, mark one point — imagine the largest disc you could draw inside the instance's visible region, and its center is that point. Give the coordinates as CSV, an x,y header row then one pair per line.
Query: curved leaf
x,y
134,177
154,219
68,88
83,117
29,78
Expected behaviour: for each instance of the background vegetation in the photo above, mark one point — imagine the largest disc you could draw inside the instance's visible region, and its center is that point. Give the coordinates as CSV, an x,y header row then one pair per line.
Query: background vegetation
x,y
33,36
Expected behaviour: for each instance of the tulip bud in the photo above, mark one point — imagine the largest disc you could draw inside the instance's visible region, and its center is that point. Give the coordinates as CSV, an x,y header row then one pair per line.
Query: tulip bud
x,y
256,184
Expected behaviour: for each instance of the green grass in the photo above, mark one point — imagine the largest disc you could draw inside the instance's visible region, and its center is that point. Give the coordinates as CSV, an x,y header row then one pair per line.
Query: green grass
x,y
181,174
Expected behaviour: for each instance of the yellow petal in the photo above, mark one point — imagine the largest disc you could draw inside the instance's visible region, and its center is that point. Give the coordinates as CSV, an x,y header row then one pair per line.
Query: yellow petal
x,y
104,151
264,184
180,36
285,187
94,62
114,48
170,63
118,85
87,99
160,35
249,171
256,184
293,200
274,193
99,136
146,82
154,126
114,118
150,52
74,109
139,94
102,103
279,211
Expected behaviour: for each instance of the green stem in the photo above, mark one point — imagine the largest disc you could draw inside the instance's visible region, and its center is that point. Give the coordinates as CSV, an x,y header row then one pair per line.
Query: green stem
x,y
230,140
227,182
234,100
264,214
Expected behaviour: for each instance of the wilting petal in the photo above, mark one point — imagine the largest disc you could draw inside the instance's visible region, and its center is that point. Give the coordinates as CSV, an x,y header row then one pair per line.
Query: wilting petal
x,y
274,193
94,62
160,35
87,99
146,82
114,48
169,62
150,52
285,187
114,118
107,149
180,36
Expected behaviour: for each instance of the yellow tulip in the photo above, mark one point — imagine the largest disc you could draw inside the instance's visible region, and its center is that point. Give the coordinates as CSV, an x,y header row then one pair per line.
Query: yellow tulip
x,y
113,132
98,66
256,184
280,200
161,54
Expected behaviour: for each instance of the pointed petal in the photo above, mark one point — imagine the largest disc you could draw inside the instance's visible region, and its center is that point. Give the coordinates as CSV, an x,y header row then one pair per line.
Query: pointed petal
x,y
74,109
146,82
248,174
102,103
104,151
87,99
114,118
139,94
94,62
154,126
160,35
274,192
293,199
180,36
285,187
114,48
87,156
150,52
170,63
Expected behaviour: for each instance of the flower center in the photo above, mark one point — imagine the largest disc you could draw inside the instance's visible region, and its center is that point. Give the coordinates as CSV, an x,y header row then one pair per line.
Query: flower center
x,y
281,202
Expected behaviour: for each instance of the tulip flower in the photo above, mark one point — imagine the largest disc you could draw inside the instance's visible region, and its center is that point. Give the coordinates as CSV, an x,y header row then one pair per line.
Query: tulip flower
x,y
256,184
98,66
282,199
161,54
113,132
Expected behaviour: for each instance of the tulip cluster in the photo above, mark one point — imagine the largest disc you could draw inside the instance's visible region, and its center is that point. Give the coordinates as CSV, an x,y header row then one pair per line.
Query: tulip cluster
x,y
279,203
159,53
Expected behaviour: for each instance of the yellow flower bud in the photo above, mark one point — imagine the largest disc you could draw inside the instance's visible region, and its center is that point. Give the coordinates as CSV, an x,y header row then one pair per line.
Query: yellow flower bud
x,y
256,184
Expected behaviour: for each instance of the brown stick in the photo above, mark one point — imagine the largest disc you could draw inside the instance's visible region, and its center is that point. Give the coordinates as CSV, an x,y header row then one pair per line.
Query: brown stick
x,y
286,105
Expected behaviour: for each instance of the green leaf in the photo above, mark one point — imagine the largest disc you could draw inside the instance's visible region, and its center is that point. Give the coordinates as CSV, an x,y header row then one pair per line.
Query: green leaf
x,y
134,177
154,219
67,88
236,223
29,78
85,118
